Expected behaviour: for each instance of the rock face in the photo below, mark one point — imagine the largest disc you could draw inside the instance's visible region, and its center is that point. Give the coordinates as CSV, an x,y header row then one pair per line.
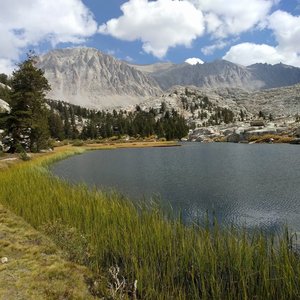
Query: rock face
x,y
278,102
274,76
154,68
89,78
4,106
222,73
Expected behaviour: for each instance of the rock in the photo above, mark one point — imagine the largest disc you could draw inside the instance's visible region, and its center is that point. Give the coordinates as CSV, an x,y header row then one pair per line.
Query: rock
x,y
260,132
4,106
4,260
295,141
297,133
234,138
228,131
257,123
204,131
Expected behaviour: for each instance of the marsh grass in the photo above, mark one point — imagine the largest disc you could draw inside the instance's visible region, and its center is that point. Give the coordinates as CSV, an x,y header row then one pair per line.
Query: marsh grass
x,y
168,259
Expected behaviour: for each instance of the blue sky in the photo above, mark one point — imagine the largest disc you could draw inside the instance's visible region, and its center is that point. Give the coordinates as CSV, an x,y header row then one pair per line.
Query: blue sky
x,y
144,31
106,10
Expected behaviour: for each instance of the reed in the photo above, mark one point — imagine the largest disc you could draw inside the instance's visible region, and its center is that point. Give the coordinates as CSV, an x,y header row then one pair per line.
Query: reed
x,y
168,259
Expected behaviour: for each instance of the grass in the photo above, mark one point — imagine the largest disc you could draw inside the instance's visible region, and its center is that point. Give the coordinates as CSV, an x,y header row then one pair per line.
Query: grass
x,y
275,138
124,243
35,268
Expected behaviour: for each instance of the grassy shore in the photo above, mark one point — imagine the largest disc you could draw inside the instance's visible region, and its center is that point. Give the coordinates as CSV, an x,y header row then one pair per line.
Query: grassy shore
x,y
35,267
137,252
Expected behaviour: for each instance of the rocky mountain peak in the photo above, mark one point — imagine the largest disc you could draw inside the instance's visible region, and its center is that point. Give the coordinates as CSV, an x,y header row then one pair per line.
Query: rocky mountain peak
x,y
90,78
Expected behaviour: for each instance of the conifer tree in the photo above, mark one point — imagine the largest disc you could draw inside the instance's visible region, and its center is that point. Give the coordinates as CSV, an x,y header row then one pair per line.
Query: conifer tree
x,y
27,123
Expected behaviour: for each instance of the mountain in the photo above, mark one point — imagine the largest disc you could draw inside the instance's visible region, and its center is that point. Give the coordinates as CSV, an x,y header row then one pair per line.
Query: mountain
x,y
153,68
274,76
87,77
222,73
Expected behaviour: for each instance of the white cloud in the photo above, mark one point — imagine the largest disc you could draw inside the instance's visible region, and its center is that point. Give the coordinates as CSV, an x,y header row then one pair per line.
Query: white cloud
x,y
162,24
111,52
208,50
6,66
286,30
27,23
129,59
232,17
249,53
158,24
194,61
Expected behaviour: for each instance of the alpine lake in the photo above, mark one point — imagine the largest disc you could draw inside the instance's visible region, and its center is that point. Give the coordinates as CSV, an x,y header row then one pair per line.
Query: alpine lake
x,y
252,186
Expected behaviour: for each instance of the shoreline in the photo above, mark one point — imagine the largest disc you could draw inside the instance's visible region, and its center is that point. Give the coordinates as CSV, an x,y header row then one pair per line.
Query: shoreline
x,y
165,257
8,160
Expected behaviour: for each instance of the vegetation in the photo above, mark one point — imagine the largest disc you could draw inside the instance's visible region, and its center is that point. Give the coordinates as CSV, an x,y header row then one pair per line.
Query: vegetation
x,y
26,123
64,119
35,268
271,138
124,242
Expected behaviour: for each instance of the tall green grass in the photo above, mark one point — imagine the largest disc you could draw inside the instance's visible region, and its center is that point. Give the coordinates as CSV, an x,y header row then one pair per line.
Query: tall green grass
x,y
168,259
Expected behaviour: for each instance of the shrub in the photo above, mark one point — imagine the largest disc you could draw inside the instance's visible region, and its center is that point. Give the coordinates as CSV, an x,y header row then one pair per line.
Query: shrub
x,y
77,143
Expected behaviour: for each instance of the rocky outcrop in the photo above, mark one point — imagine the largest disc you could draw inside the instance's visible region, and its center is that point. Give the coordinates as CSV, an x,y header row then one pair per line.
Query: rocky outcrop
x,y
4,106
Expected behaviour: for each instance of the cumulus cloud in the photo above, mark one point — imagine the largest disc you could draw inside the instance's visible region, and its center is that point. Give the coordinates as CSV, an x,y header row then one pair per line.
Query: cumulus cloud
x,y
232,17
194,61
249,53
158,24
286,30
27,23
162,24
6,66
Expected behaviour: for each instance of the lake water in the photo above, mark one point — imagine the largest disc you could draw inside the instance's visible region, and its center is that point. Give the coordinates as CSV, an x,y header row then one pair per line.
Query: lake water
x,y
248,185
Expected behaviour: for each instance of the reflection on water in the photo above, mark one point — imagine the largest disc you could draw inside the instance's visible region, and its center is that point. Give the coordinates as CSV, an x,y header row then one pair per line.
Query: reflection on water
x,y
251,185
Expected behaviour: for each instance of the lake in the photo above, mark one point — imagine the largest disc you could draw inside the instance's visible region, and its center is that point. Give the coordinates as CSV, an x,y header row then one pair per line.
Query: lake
x,y
247,185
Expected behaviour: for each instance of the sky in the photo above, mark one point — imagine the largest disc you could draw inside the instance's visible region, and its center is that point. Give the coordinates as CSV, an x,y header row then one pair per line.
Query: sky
x,y
149,31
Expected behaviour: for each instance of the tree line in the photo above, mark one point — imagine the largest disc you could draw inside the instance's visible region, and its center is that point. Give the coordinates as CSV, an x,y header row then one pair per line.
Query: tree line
x,y
67,121
33,120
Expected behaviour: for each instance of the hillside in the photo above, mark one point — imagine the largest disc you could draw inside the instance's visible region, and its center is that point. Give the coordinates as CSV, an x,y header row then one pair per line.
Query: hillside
x,y
279,102
222,73
92,79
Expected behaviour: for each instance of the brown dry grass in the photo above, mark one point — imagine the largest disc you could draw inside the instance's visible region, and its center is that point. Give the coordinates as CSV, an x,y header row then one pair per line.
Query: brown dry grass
x,y
35,267
267,138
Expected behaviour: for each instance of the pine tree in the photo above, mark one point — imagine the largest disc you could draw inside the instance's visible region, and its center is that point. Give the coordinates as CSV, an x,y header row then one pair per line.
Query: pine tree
x,y
56,126
27,123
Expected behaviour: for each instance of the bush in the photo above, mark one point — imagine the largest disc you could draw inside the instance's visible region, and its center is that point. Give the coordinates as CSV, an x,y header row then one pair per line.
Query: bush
x,y
24,156
77,143
22,153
